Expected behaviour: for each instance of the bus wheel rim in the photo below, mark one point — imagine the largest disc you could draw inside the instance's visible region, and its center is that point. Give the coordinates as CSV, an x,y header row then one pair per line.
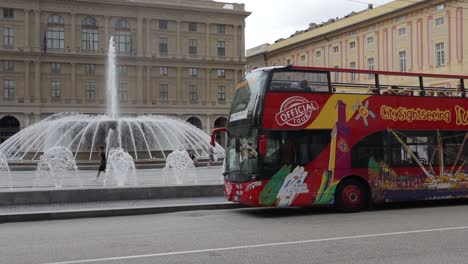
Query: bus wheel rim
x,y
351,196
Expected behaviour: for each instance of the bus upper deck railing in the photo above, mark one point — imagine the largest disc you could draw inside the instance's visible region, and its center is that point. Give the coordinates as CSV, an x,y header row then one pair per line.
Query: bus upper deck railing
x,y
375,83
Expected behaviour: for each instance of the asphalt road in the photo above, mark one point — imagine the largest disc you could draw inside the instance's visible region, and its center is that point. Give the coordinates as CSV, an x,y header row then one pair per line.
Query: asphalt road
x,y
427,233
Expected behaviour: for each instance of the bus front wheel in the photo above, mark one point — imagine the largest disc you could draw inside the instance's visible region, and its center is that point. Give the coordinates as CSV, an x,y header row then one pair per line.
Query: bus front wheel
x,y
351,196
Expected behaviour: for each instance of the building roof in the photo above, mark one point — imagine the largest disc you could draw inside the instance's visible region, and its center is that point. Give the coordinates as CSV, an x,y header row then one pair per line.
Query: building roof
x,y
344,22
257,50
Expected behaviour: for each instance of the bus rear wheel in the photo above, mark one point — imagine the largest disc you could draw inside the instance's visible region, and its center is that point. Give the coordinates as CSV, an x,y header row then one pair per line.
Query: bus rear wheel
x,y
351,196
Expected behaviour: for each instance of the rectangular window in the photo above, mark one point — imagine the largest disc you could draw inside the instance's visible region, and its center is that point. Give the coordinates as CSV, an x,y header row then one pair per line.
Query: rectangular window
x,y
221,73
8,37
193,72
90,90
122,69
352,65
193,43
336,49
163,24
370,67
163,47
402,55
352,44
163,71
221,48
8,88
439,21
123,41
193,92
55,38
123,90
336,75
440,54
221,93
8,66
90,39
303,58
193,27
221,28
55,88
440,7
8,13
90,68
288,62
163,93
55,67
318,54
401,31
370,40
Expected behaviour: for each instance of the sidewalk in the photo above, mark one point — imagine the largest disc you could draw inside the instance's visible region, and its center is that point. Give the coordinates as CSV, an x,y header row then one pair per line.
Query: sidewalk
x,y
22,213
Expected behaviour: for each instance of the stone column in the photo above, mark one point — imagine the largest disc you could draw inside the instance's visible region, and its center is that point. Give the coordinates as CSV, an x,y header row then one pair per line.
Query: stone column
x,y
148,37
208,53
106,33
208,85
26,30
26,81
208,124
73,34
37,81
149,91
236,45
139,94
242,43
179,98
179,40
74,96
139,36
38,35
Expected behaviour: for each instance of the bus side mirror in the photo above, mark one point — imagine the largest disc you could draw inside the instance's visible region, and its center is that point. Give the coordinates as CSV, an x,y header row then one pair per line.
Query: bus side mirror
x,y
262,145
215,132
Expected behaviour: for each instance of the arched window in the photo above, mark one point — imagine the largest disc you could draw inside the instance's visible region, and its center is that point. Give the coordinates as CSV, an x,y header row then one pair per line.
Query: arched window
x,y
221,138
90,35
56,19
122,24
195,122
55,33
9,125
89,22
123,36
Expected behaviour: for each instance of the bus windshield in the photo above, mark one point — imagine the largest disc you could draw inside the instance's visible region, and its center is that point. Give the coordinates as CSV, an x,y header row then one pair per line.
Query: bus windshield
x,y
241,154
246,95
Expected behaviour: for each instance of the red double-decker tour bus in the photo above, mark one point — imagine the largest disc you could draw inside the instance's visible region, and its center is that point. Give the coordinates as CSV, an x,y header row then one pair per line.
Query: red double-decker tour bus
x,y
305,136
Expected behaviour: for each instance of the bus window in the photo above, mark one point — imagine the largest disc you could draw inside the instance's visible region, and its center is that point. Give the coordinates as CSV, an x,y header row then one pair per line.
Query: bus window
x,y
413,145
299,82
368,148
295,147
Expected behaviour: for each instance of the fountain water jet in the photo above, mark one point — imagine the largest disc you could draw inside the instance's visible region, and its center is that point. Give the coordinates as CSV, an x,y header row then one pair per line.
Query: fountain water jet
x,y
5,176
120,168
177,164
56,164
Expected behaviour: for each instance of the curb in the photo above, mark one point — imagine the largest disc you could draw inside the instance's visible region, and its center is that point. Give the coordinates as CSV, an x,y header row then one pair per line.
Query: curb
x,y
92,213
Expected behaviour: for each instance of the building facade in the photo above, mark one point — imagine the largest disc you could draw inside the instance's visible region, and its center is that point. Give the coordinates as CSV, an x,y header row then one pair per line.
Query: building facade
x,y
177,58
408,36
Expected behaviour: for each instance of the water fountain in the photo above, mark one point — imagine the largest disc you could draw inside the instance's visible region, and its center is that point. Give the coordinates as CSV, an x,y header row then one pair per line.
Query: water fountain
x,y
120,168
178,164
56,165
5,176
144,137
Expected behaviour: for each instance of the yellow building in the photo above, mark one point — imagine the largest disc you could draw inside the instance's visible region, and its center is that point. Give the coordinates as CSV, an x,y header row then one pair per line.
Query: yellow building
x,y
409,36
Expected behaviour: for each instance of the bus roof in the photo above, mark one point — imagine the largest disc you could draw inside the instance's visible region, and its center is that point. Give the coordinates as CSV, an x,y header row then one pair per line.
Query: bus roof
x,y
395,73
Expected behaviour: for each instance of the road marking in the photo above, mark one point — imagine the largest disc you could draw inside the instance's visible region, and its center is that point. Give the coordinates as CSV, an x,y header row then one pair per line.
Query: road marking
x,y
260,245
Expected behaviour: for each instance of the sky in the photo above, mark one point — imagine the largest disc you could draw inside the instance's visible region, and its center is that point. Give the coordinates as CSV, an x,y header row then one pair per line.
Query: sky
x,y
274,19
